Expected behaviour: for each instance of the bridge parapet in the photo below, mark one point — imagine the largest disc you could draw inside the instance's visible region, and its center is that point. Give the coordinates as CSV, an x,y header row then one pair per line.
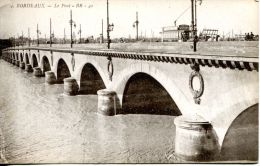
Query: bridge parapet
x,y
210,60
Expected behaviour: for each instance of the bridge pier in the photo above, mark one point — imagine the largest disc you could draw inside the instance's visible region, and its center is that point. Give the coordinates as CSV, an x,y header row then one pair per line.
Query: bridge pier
x,y
50,77
71,87
13,61
22,65
28,68
37,72
106,102
195,139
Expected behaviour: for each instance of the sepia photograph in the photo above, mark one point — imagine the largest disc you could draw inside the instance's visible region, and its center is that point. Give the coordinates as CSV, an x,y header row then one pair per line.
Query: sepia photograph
x,y
129,81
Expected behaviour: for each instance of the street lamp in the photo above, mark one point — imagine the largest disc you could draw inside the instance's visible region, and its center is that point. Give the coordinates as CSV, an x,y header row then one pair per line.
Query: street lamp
x,y
29,37
80,33
101,35
14,41
50,34
74,24
194,25
110,27
22,38
136,25
38,33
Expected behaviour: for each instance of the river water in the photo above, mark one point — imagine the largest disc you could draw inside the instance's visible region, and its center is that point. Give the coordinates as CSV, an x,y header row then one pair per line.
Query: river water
x,y
38,124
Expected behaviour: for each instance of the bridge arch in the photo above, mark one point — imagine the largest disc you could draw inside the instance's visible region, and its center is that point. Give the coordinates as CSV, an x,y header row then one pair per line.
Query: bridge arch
x,y
144,95
241,139
34,61
26,58
97,67
17,56
119,83
90,80
21,57
45,63
62,71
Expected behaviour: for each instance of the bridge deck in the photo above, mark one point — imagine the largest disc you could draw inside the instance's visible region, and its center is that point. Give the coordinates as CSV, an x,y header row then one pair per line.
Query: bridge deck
x,y
237,50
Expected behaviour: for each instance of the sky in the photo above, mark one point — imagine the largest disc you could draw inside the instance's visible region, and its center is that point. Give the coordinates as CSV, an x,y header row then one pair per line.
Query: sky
x,y
16,16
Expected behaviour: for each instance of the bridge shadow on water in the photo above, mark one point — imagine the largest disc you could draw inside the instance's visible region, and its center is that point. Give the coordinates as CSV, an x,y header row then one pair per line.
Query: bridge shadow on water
x,y
241,140
144,95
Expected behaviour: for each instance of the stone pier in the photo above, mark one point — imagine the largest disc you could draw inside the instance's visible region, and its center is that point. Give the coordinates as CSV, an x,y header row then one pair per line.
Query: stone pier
x,y
106,102
195,139
71,87
50,77
37,72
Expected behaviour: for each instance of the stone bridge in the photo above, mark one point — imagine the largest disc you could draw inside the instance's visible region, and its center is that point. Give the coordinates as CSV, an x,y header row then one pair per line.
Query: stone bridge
x,y
209,91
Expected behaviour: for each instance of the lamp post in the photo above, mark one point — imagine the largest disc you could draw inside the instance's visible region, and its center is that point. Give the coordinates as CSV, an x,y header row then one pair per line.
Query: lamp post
x,y
64,38
71,23
194,30
101,35
29,41
38,32
14,41
109,28
79,33
50,34
192,16
136,25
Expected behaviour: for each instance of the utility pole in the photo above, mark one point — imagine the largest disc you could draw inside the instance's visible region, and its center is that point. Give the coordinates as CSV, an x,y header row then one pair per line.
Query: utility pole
x,y
136,25
195,26
109,28
37,36
137,22
192,16
108,37
29,37
64,38
71,40
50,34
22,38
102,35
195,38
79,33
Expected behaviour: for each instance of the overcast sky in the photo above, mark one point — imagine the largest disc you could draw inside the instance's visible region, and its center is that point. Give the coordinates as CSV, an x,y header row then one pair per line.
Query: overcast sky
x,y
241,16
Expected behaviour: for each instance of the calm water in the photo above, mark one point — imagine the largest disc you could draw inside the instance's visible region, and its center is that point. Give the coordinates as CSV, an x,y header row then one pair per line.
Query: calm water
x,y
38,124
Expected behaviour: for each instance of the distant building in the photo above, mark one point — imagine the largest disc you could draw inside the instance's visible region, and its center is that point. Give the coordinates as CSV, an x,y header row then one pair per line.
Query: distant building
x,y
175,33
207,34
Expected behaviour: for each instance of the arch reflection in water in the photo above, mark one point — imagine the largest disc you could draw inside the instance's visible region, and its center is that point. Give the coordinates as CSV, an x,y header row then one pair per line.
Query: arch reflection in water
x,y
62,71
144,95
90,80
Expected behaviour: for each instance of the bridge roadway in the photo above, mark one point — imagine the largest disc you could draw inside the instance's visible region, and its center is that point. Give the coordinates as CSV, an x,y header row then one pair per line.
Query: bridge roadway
x,y
210,88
